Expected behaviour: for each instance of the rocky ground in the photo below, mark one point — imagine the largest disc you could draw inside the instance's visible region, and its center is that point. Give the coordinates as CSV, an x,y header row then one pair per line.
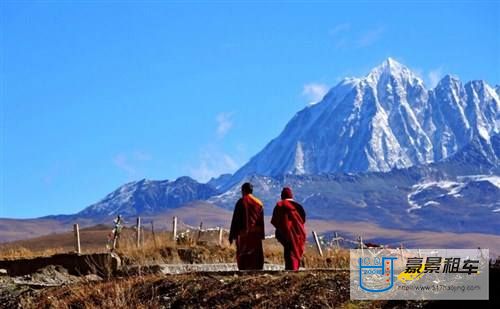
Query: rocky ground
x,y
164,276
53,287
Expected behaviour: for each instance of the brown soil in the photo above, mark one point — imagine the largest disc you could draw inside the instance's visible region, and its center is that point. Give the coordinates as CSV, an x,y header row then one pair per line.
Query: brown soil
x,y
311,289
307,289
203,290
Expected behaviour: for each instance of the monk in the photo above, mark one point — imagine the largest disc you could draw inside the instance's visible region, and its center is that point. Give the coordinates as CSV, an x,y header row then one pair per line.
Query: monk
x,y
289,218
247,229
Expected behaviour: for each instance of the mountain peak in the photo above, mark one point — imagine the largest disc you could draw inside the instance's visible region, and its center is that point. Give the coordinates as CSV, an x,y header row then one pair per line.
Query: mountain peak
x,y
391,62
185,179
448,80
391,67
385,120
148,197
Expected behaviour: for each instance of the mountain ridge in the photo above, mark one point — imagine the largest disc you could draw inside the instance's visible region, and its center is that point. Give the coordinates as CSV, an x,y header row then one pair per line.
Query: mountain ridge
x,y
388,119
149,196
478,155
381,149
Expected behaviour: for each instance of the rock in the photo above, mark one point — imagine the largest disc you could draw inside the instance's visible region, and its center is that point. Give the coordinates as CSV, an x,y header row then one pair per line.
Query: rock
x,y
93,277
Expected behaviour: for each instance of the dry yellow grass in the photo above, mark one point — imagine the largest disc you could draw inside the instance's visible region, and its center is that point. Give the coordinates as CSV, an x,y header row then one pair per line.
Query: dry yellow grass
x,y
247,290
162,249
109,294
92,240
153,291
18,252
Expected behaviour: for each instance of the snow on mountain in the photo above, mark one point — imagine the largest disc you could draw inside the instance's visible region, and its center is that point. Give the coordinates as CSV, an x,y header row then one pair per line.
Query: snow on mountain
x,y
459,194
433,157
149,196
431,194
386,120
218,182
460,113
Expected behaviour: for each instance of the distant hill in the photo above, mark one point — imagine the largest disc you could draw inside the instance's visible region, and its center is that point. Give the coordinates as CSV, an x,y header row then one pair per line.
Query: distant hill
x,y
381,149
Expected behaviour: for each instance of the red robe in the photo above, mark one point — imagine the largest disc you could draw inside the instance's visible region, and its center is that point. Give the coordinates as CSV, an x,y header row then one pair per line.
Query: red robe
x,y
247,228
289,219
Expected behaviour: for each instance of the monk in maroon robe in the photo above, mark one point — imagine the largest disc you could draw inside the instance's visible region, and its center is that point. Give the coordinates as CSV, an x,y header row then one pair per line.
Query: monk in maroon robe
x,y
247,229
289,218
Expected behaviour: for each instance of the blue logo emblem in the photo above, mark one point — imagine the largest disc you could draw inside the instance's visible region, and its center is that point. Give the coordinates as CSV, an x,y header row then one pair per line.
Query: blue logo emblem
x,y
385,268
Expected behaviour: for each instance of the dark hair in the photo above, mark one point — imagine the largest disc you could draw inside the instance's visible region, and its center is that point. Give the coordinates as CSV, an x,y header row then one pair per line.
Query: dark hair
x,y
247,188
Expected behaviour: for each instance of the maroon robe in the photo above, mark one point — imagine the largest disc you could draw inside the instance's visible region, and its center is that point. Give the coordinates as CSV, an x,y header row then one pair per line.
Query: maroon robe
x,y
247,228
289,219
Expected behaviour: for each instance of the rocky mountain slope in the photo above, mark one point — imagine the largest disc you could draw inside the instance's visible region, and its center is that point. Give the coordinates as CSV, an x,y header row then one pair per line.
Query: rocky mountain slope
x,y
383,121
149,196
382,149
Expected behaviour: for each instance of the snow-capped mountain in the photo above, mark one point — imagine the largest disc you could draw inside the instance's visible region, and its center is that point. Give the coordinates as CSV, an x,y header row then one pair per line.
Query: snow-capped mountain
x,y
458,194
428,194
381,149
386,120
149,196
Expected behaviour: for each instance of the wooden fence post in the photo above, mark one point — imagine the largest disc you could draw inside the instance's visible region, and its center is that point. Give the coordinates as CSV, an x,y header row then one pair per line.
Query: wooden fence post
x,y
138,232
76,230
401,254
220,235
318,245
174,228
142,235
337,240
361,245
199,232
153,232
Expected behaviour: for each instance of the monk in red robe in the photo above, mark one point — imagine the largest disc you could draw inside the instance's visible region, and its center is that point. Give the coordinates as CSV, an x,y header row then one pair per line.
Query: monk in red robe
x,y
247,229
289,218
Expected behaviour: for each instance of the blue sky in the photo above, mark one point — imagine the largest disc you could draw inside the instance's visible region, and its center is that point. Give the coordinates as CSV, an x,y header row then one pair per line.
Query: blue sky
x,y
97,94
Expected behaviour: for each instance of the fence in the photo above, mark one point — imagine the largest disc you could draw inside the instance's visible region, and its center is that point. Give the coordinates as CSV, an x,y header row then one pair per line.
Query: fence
x,y
182,231
185,233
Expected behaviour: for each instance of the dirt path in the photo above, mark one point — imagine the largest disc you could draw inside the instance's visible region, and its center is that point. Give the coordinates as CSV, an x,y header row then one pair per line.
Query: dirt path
x,y
227,268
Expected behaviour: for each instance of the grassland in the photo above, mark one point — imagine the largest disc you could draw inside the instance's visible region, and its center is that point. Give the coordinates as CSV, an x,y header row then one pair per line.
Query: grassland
x,y
323,285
